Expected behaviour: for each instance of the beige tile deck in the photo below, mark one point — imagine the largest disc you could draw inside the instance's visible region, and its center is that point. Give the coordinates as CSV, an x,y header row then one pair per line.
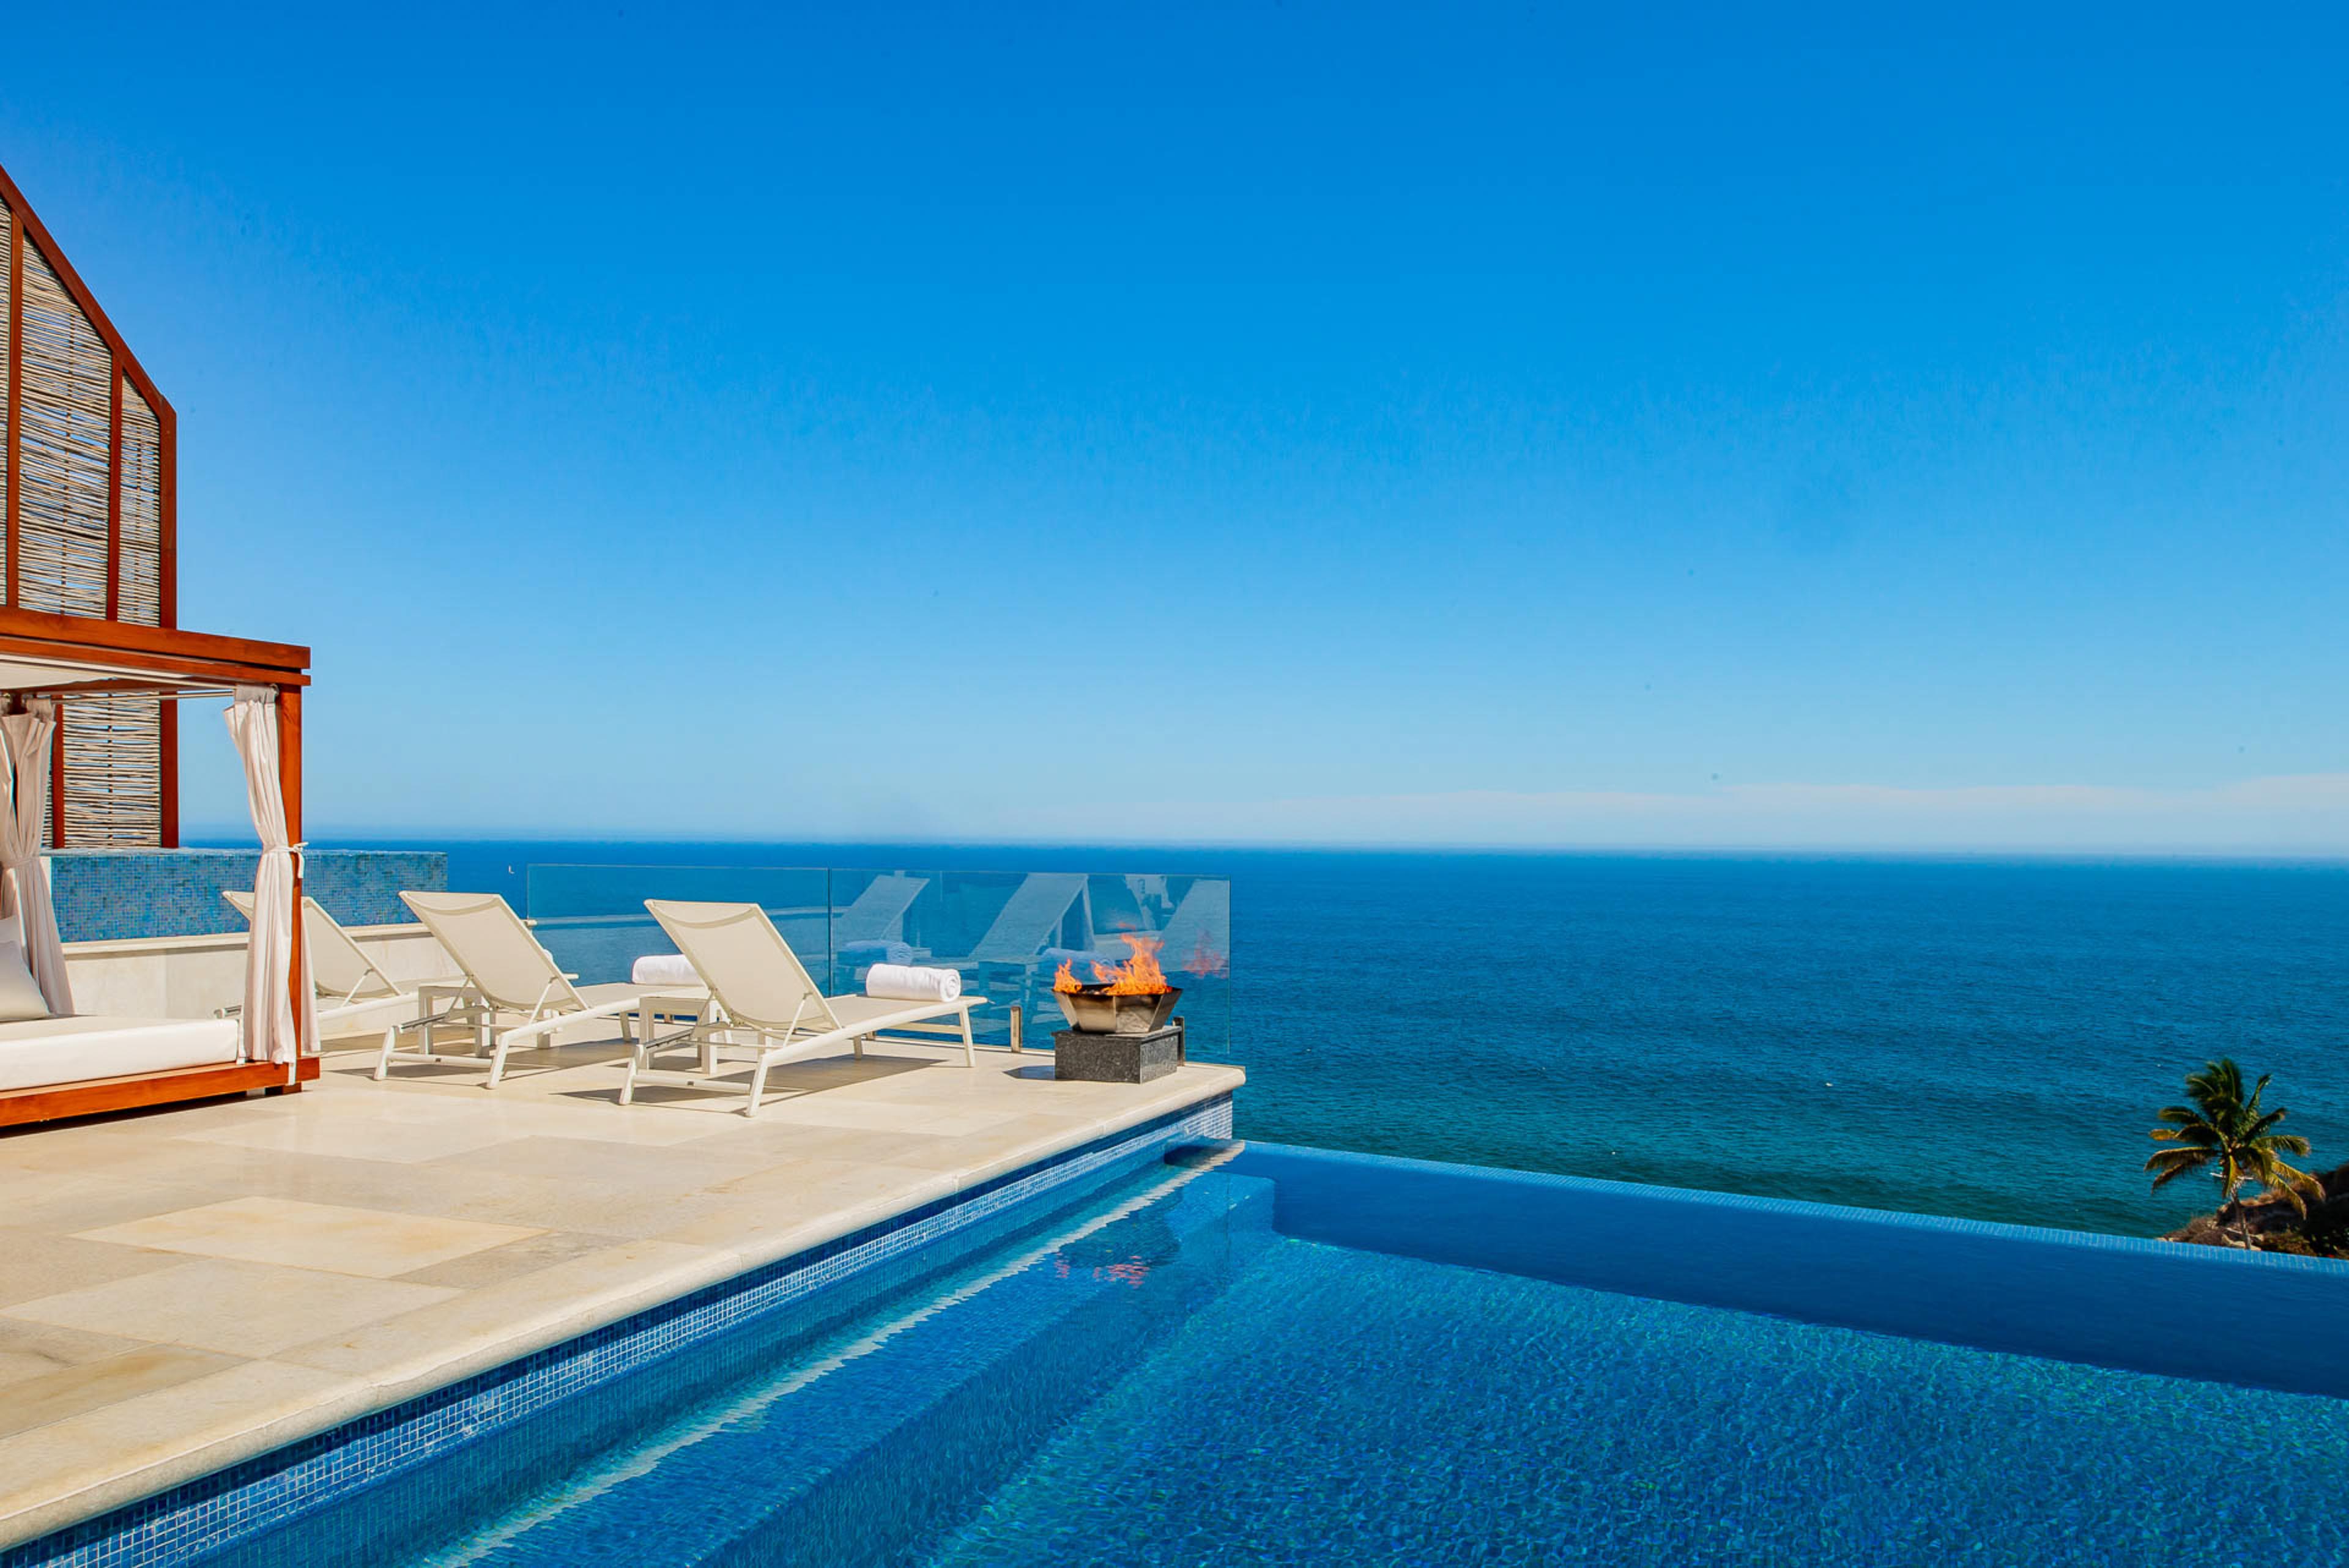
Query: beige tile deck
x,y
212,1304
367,1242
185,1289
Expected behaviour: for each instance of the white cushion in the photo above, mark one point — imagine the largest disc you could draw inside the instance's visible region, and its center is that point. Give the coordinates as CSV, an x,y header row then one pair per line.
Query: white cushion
x,y
36,1053
12,930
20,994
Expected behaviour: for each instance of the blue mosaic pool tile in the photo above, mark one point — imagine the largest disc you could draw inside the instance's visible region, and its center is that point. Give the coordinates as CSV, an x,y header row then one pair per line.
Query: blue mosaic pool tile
x,y
214,1512
113,895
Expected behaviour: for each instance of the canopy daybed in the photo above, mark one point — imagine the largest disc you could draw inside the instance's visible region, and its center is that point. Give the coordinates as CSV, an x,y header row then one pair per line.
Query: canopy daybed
x,y
78,1065
92,666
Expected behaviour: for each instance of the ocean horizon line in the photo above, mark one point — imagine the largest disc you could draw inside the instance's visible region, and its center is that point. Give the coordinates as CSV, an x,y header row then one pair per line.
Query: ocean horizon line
x,y
222,837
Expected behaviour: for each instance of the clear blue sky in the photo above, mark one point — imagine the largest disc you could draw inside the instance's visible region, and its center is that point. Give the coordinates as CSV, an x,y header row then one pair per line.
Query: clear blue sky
x,y
1271,421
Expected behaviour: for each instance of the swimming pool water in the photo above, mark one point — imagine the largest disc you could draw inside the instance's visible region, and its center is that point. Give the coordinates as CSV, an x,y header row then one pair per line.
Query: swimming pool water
x,y
1336,1405
1161,1375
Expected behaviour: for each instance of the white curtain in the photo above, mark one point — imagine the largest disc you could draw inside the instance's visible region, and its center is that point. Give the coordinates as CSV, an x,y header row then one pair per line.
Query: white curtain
x,y
27,738
268,1010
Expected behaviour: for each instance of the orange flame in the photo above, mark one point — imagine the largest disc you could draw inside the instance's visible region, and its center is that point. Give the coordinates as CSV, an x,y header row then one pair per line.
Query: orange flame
x,y
1137,977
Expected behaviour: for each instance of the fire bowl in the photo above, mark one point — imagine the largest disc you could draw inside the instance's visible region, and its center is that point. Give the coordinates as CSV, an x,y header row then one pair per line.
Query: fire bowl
x,y
1091,1010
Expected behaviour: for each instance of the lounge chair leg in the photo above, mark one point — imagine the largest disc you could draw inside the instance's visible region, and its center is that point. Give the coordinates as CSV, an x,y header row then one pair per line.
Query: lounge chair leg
x,y
498,1062
635,1061
857,1044
383,1061
758,1087
969,1053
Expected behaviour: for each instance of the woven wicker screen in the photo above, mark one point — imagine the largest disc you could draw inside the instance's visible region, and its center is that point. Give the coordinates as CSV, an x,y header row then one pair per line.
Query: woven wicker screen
x,y
139,559
114,768
64,453
114,745
78,500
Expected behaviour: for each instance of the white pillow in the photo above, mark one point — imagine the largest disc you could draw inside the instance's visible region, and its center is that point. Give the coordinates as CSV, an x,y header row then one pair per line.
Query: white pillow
x,y
12,930
20,996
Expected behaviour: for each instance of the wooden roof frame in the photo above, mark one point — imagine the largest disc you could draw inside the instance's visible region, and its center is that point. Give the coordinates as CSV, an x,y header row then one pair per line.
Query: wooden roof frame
x,y
28,226
24,228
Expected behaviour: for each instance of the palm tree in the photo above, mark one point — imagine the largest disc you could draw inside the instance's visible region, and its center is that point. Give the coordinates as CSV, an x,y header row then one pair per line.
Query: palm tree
x,y
2224,1129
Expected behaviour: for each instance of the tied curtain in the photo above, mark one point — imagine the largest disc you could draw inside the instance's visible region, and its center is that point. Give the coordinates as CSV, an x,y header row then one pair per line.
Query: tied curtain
x,y
269,1000
25,739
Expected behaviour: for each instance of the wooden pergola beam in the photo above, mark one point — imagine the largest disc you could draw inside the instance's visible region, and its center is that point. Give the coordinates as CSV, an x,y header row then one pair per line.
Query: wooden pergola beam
x,y
158,650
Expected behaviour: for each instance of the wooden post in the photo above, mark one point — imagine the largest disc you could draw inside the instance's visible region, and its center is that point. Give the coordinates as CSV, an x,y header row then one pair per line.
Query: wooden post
x,y
167,607
57,776
114,489
16,383
167,765
289,784
167,437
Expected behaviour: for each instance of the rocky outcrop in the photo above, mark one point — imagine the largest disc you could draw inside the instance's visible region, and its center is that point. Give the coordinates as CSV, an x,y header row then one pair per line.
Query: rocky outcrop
x,y
2276,1226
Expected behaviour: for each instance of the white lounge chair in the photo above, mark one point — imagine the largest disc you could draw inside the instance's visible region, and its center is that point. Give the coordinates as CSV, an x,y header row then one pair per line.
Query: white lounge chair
x,y
767,1010
508,974
347,981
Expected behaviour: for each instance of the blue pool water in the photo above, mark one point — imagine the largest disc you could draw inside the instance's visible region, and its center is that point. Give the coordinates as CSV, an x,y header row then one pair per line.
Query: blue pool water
x,y
1182,1368
1966,1037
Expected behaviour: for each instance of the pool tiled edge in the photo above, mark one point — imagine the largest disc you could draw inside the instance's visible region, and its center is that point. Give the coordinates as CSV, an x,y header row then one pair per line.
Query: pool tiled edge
x,y
219,1508
2117,1301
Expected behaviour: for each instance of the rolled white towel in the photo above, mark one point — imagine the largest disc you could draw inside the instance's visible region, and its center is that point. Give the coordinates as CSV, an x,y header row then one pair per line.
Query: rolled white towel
x,y
664,969
911,983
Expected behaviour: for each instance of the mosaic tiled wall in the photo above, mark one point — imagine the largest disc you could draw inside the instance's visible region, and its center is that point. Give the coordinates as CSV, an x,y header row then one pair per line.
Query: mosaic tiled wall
x,y
105,895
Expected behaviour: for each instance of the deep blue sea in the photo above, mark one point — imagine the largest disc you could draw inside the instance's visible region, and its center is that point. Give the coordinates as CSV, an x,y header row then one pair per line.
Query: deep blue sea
x,y
1980,1038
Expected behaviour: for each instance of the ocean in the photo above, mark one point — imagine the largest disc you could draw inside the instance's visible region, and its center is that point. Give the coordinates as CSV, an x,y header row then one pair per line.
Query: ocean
x,y
1974,1037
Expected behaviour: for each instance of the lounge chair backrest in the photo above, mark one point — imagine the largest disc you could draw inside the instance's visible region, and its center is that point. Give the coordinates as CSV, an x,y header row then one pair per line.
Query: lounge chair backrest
x,y
499,956
338,969
750,970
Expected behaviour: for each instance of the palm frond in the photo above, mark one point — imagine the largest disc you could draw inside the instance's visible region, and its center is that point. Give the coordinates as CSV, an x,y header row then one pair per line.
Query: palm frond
x,y
2172,1163
2226,1133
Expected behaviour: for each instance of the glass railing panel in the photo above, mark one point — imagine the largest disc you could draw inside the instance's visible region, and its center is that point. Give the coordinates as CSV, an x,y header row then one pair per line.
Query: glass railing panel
x,y
1007,934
